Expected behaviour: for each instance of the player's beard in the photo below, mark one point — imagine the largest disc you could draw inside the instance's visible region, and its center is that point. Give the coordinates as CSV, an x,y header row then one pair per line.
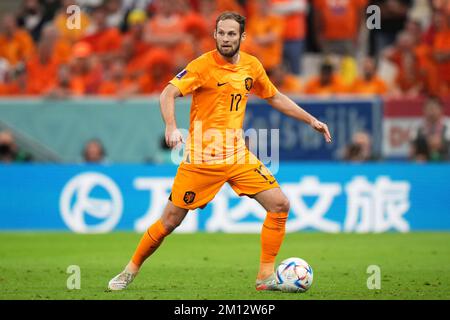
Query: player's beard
x,y
231,53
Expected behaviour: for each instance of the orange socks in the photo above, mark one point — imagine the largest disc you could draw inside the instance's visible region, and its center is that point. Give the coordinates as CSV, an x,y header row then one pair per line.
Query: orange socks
x,y
272,235
150,241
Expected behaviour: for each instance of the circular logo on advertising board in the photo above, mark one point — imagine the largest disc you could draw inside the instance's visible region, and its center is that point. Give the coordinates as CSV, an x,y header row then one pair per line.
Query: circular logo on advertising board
x,y
91,203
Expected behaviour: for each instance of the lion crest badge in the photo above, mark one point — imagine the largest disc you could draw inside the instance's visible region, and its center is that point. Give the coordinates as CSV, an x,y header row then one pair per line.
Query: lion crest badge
x,y
248,83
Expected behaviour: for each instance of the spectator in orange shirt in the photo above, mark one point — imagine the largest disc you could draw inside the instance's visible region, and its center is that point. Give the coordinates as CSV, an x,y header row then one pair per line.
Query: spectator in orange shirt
x,y
431,73
62,18
327,83
264,36
337,24
284,81
409,80
293,13
43,66
66,86
165,30
116,82
105,40
16,44
159,72
438,22
86,69
137,65
369,82
423,52
61,48
441,57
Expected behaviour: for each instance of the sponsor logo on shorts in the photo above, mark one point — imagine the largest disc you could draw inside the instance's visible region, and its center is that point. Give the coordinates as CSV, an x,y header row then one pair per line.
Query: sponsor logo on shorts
x,y
189,197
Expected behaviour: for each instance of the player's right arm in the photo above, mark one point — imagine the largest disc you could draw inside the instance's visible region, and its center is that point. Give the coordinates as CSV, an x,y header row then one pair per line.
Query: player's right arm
x,y
167,103
184,83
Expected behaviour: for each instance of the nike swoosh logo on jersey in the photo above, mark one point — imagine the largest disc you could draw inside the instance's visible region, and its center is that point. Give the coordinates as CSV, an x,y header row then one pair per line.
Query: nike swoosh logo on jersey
x,y
221,84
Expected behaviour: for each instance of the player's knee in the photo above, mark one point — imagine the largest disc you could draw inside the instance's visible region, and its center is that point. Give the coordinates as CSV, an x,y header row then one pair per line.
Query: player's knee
x,y
285,205
171,222
282,205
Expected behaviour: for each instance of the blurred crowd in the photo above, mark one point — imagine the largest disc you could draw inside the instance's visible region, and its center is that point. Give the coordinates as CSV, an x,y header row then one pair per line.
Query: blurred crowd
x,y
126,47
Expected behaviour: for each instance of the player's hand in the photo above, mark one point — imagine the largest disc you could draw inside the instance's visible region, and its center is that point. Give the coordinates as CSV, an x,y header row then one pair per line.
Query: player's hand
x,y
173,137
323,128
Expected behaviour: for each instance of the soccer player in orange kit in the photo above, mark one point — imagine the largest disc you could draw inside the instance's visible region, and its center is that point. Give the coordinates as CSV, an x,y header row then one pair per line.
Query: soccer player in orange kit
x,y
220,81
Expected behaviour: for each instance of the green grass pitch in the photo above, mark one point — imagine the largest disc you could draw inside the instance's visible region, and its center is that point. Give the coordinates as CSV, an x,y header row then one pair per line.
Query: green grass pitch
x,y
223,266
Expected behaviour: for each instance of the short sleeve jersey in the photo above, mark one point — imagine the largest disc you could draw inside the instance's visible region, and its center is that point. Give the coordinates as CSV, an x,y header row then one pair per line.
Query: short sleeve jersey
x,y
220,91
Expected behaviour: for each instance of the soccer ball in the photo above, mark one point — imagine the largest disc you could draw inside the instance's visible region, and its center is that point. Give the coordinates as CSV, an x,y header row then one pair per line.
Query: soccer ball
x,y
294,275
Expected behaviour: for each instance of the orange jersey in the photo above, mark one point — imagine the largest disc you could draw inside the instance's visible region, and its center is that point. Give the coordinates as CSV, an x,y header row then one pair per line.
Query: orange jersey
x,y
18,48
41,77
340,17
220,93
442,44
258,26
294,23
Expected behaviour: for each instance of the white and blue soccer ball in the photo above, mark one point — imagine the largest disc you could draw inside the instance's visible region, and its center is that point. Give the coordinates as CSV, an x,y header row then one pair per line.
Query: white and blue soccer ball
x,y
294,275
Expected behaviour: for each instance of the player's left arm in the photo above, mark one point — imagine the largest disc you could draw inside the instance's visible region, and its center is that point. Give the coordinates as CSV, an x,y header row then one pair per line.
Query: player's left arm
x,y
285,105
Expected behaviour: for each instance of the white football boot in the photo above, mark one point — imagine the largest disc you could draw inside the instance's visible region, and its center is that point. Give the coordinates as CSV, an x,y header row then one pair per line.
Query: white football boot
x,y
121,281
268,284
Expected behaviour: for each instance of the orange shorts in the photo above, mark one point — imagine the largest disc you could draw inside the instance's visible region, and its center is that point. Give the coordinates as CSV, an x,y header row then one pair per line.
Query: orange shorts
x,y
197,184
